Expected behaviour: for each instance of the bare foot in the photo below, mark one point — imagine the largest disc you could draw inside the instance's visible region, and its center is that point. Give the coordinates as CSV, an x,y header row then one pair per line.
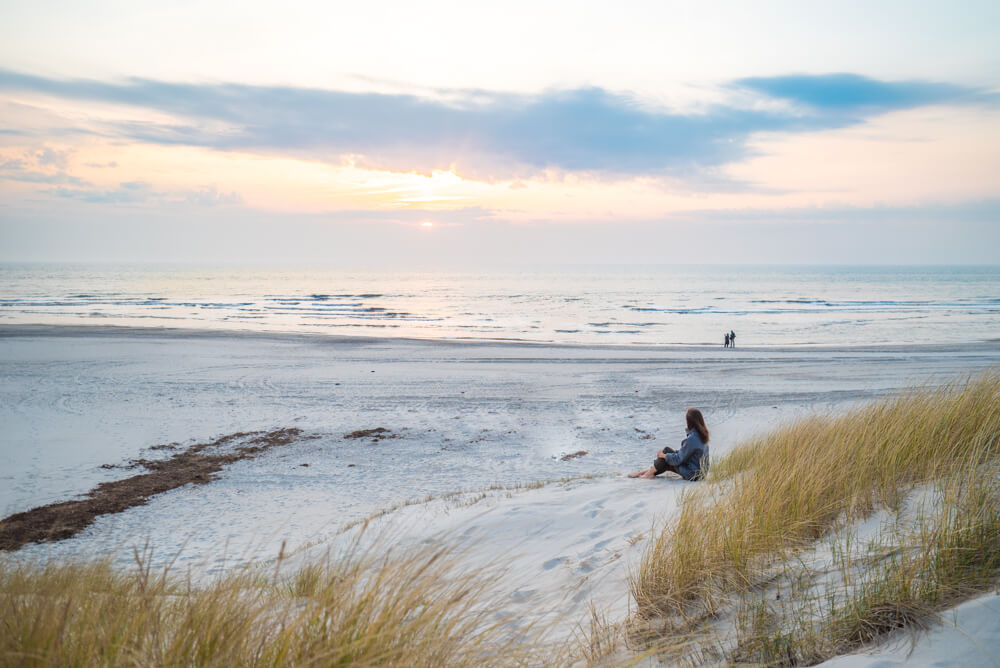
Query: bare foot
x,y
647,474
636,474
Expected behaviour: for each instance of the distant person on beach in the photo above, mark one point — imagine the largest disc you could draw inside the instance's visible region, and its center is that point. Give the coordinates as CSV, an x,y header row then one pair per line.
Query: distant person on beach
x,y
691,460
727,340
732,338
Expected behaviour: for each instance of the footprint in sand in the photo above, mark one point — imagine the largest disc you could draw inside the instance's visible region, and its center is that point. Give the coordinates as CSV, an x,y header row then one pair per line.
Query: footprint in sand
x,y
598,547
602,544
522,594
552,563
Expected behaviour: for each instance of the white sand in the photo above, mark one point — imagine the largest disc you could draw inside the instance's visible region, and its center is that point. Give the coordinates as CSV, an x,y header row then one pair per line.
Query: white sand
x,y
967,635
467,416
556,549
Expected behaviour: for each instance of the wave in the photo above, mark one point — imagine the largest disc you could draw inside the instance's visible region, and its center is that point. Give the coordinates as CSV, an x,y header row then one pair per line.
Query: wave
x,y
818,306
677,307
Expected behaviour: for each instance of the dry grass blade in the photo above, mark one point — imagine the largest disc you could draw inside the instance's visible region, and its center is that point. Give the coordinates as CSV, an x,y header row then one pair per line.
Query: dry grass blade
x,y
775,497
367,608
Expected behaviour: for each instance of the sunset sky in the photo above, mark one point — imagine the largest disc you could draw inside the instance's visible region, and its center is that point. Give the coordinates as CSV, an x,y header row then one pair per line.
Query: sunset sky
x,y
456,133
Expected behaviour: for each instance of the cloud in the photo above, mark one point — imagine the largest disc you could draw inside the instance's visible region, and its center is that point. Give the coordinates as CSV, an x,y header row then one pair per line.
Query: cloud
x,y
142,193
486,135
210,196
47,166
132,192
853,93
27,176
50,157
34,167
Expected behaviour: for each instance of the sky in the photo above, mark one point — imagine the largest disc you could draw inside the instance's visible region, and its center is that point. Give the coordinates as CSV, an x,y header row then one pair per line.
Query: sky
x,y
459,133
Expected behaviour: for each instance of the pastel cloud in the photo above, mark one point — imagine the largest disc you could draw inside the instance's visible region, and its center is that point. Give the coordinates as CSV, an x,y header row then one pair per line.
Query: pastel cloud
x,y
485,135
854,93
44,166
142,193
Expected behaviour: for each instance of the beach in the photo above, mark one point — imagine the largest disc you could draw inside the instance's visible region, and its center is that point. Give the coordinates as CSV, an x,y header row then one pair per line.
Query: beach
x,y
516,452
352,336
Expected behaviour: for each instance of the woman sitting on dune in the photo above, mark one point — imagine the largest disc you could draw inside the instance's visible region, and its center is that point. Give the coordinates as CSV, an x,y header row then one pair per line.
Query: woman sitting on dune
x,y
691,461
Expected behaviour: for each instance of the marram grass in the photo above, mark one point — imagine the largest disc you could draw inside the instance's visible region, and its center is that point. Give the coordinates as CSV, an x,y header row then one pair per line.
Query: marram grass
x,y
366,609
775,497
768,501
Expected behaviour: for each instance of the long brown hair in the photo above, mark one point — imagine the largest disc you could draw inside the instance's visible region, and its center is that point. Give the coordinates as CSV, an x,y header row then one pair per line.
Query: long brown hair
x,y
696,421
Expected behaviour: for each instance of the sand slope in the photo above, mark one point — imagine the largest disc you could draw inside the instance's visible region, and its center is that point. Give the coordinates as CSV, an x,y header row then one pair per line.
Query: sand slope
x,y
457,417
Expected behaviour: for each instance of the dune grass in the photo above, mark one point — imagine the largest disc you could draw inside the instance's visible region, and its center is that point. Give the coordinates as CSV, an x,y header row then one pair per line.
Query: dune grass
x,y
737,541
364,609
378,605
733,578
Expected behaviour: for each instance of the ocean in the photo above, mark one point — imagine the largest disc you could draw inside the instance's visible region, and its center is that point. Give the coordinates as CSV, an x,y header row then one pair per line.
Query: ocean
x,y
676,306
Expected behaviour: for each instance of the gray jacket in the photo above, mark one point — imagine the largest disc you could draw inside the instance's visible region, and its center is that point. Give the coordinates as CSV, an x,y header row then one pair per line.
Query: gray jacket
x,y
692,458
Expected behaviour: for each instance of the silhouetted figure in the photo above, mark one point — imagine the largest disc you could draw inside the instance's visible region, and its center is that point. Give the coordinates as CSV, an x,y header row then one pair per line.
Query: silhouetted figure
x,y
732,339
727,340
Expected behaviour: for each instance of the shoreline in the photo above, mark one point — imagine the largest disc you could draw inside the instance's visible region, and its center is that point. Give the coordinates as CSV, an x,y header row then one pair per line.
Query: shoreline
x,y
19,330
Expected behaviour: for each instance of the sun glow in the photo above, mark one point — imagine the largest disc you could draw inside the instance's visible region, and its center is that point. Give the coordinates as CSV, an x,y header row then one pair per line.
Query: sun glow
x,y
426,224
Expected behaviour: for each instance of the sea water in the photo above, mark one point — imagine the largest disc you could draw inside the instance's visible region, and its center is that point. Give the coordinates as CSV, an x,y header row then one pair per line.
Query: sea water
x,y
763,305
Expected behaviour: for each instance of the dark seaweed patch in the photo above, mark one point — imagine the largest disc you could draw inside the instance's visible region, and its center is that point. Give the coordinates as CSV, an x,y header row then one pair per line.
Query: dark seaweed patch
x,y
196,464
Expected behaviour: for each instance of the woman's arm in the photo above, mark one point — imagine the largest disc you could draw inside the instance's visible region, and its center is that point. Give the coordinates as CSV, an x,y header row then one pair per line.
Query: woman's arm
x,y
689,447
